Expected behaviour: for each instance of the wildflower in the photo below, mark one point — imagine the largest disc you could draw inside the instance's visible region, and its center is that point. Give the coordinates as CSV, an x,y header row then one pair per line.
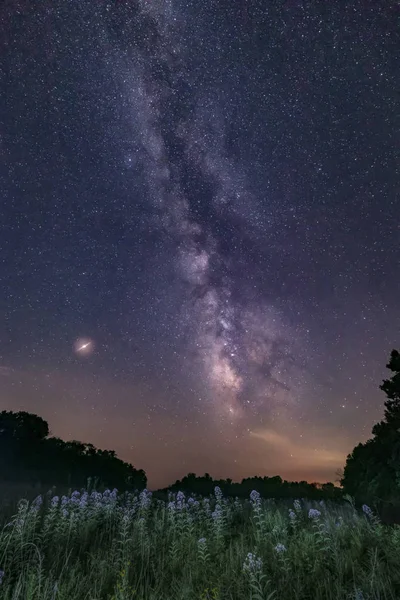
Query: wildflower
x,y
206,506
180,501
171,506
218,493
280,548
64,500
297,505
75,496
292,515
145,499
54,501
322,503
367,511
64,513
252,564
255,497
313,513
202,541
37,503
83,502
217,514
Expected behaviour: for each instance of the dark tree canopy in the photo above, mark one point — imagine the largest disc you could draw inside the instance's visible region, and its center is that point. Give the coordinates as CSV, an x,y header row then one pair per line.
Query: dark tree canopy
x,y
22,426
372,471
268,487
28,454
391,387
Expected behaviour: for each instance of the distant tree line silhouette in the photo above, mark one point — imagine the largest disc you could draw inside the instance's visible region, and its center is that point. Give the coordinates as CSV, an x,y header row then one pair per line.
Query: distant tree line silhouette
x,y
372,471
29,455
268,487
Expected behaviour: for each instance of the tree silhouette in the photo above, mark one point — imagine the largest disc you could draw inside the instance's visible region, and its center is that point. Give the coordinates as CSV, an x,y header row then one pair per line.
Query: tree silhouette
x,y
372,471
268,487
28,454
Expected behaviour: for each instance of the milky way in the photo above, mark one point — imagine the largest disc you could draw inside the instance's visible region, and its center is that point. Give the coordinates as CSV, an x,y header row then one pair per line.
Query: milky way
x,y
206,191
243,349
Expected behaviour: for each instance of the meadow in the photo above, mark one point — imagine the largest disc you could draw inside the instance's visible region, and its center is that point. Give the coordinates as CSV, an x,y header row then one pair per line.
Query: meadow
x,y
95,546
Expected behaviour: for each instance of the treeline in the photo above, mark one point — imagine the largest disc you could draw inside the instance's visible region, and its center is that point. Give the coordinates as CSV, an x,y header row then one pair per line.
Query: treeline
x,y
268,487
29,455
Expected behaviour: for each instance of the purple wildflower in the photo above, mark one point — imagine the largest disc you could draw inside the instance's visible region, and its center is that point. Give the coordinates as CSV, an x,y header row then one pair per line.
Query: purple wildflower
x,y
218,493
292,515
193,503
145,499
280,548
54,501
252,564
313,513
255,497
217,514
367,511
297,505
96,497
37,503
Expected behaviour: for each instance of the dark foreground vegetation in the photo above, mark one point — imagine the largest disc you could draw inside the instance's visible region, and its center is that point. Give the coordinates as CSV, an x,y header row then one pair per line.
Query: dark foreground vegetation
x,y
200,539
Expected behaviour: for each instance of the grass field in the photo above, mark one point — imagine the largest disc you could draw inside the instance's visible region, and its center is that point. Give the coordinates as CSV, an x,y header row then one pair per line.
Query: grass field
x,y
118,547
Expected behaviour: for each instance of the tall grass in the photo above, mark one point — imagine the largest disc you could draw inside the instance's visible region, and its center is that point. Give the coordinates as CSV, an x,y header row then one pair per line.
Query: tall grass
x,y
131,546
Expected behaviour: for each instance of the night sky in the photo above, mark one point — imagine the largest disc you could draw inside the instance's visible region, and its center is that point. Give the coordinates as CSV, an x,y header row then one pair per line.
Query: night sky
x,y
200,243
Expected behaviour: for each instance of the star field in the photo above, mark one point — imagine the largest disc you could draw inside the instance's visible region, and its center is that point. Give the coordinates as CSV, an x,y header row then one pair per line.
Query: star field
x,y
200,240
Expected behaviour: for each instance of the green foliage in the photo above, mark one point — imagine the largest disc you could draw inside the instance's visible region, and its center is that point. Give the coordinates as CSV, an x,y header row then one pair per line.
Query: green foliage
x,y
107,546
